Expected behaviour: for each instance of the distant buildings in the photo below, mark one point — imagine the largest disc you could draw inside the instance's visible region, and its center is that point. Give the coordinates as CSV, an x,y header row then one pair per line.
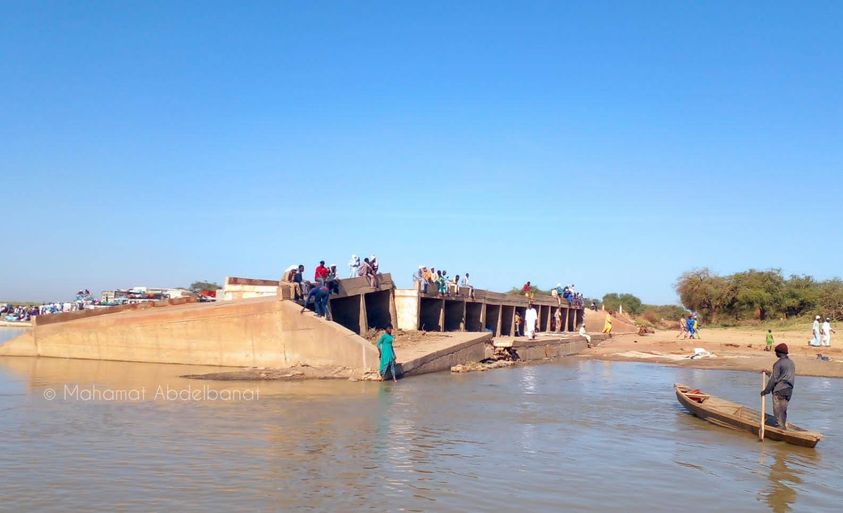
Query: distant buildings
x,y
143,294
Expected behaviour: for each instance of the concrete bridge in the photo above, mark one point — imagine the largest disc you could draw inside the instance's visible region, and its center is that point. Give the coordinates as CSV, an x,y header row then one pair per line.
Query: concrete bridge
x,y
268,330
483,311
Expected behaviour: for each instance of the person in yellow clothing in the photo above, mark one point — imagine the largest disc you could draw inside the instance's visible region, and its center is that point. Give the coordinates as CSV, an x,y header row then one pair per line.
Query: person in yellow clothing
x,y
607,326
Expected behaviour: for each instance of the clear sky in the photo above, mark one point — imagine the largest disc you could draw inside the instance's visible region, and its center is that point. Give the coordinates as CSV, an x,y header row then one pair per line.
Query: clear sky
x,y
614,145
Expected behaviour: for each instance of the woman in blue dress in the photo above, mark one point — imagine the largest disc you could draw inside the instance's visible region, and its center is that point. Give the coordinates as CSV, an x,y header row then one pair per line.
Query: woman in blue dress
x,y
386,354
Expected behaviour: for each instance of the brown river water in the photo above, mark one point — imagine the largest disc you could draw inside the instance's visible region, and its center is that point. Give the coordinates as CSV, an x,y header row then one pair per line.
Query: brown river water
x,y
572,435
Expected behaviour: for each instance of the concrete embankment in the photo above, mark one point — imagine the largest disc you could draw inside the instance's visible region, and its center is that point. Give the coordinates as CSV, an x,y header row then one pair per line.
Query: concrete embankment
x,y
262,332
468,348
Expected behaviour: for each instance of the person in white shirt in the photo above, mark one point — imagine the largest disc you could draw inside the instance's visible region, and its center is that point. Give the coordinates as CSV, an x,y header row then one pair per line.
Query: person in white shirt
x,y
530,319
585,334
353,266
466,283
815,333
454,285
826,332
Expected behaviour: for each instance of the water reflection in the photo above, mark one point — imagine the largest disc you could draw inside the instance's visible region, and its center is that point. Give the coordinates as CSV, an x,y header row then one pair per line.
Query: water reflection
x,y
780,495
539,438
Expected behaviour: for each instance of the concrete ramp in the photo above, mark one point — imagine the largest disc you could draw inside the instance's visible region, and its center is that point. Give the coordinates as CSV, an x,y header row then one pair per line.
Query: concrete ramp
x,y
261,332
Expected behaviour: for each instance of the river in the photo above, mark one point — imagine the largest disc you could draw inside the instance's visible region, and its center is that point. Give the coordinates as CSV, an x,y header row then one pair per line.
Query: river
x,y
575,435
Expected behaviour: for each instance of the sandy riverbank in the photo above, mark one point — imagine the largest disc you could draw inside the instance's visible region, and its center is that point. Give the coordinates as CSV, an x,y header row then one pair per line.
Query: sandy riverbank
x,y
733,349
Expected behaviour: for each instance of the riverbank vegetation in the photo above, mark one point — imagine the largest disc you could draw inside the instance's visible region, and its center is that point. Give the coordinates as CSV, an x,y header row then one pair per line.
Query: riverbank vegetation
x,y
755,295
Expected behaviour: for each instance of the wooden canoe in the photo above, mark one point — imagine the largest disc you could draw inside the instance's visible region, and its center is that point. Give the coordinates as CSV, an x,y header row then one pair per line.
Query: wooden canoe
x,y
732,415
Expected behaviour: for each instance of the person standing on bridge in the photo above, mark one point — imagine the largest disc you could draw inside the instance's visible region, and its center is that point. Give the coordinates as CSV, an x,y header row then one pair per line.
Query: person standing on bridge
x,y
386,354
321,273
353,266
530,319
781,384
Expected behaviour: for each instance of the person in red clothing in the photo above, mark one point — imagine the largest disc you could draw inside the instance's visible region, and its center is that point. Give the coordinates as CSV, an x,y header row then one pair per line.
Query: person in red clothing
x,y
322,272
527,289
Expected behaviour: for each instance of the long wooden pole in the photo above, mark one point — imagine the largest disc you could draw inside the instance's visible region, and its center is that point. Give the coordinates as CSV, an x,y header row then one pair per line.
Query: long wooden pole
x,y
763,406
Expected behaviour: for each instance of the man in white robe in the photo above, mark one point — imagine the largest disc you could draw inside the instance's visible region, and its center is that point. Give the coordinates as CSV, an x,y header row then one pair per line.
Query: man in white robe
x,y
815,332
826,332
584,334
531,317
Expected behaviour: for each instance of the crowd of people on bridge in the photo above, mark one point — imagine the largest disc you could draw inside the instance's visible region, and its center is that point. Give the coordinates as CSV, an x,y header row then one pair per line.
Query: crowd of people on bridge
x,y
18,313
326,281
430,280
25,313
568,293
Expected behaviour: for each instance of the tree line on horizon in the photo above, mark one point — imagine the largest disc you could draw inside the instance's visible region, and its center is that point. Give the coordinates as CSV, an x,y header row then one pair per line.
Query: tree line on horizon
x,y
758,295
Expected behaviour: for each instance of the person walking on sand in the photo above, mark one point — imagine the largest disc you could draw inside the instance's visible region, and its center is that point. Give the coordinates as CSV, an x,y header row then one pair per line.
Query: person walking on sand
x,y
683,328
826,332
530,319
770,341
690,326
815,332
607,325
697,328
386,354
781,384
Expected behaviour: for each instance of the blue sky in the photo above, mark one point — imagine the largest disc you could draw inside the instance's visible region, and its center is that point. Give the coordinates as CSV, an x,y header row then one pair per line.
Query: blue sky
x,y
610,144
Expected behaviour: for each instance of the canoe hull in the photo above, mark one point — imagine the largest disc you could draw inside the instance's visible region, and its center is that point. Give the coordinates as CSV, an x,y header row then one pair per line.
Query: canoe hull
x,y
727,414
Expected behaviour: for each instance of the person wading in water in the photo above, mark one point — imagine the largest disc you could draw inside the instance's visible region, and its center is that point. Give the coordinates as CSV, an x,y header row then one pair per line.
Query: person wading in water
x,y
781,384
386,355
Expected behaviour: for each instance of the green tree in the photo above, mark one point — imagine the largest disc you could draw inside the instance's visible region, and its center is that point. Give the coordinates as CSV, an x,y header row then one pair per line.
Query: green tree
x,y
830,298
755,294
197,286
801,295
758,293
706,293
613,301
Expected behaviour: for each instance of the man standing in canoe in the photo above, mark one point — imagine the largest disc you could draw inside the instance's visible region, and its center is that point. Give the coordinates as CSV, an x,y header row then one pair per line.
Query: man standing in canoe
x,y
781,384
